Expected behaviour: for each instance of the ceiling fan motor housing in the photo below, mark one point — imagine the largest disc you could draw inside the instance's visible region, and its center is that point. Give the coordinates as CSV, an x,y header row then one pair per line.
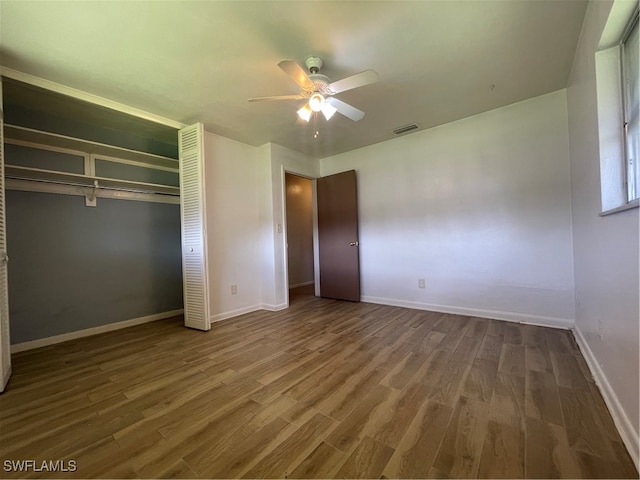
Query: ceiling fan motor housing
x,y
320,83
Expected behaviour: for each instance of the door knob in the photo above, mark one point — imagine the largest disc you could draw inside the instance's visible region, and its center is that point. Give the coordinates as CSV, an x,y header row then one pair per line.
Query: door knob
x,y
354,244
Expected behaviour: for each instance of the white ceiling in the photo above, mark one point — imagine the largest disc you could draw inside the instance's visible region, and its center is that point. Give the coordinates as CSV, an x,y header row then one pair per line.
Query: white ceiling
x,y
438,61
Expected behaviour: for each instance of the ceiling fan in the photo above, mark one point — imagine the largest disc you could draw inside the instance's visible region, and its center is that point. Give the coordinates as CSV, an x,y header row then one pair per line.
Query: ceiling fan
x,y
319,91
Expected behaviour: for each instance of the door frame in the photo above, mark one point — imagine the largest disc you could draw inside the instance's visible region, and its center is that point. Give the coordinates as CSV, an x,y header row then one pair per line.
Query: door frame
x,y
285,236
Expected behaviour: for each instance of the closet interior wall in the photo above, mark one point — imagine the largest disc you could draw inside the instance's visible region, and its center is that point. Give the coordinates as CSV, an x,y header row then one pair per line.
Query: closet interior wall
x,y
72,266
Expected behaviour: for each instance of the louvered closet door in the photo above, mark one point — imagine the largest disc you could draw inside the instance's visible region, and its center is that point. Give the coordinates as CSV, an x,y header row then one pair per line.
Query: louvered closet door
x,y
192,203
5,343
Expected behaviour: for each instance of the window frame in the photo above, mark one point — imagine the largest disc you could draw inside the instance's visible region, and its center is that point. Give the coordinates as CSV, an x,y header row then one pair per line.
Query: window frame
x,y
612,138
628,186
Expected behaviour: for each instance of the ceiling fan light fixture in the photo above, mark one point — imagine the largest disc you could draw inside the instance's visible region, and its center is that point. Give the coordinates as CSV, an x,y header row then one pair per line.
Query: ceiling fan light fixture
x,y
328,110
316,102
305,113
314,84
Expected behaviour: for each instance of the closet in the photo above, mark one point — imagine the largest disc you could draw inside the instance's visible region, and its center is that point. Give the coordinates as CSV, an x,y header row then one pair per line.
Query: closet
x,y
93,230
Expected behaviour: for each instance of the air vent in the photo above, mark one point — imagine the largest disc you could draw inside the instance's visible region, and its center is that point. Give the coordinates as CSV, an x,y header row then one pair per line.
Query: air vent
x,y
406,128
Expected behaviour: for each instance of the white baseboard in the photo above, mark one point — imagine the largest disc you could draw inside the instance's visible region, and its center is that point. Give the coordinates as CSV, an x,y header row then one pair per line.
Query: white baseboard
x,y
241,311
44,342
623,424
303,284
273,308
538,320
234,313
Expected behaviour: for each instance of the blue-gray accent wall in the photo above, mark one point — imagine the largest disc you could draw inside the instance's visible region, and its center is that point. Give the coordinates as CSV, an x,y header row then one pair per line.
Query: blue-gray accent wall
x,y
73,267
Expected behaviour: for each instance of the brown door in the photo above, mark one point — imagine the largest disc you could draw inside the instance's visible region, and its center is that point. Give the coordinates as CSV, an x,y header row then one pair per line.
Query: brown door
x,y
338,236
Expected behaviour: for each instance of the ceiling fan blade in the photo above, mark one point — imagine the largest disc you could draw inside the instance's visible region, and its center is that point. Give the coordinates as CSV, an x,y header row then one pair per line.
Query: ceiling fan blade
x,y
297,74
354,81
278,97
345,109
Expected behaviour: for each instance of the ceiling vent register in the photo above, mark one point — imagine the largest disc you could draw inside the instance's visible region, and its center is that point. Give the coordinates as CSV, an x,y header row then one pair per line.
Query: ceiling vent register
x,y
406,128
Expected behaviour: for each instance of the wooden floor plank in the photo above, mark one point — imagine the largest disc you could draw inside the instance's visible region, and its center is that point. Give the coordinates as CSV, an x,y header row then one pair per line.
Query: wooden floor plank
x,y
322,462
466,351
513,333
548,452
542,400
243,453
584,429
567,372
281,461
538,358
450,383
481,380
366,461
418,448
477,328
490,348
404,371
402,408
512,360
344,398
461,448
349,432
503,452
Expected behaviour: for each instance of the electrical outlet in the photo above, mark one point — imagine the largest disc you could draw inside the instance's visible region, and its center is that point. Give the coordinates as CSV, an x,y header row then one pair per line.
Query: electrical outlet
x,y
421,283
234,289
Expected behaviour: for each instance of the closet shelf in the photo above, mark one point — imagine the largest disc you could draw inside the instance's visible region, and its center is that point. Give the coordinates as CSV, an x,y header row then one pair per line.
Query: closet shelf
x,y
22,135
78,180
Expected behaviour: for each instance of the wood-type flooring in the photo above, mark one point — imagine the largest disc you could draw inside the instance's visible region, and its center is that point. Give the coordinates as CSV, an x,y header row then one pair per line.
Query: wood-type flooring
x,y
324,389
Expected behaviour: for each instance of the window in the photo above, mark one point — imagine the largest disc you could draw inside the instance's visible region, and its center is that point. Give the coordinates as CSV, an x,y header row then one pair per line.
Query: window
x,y
630,84
618,93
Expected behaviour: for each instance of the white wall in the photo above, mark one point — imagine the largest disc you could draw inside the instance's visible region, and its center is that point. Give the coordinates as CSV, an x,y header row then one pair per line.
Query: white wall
x,y
479,208
266,230
233,182
281,160
605,249
245,223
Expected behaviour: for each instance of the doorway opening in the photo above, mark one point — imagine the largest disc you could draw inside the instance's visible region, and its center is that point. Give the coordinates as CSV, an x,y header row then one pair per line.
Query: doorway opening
x,y
300,237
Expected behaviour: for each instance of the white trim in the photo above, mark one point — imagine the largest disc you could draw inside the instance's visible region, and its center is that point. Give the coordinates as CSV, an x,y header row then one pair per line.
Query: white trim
x,y
274,308
41,139
89,165
303,284
234,313
107,158
42,146
45,187
623,424
242,311
61,189
628,206
87,97
528,319
43,342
